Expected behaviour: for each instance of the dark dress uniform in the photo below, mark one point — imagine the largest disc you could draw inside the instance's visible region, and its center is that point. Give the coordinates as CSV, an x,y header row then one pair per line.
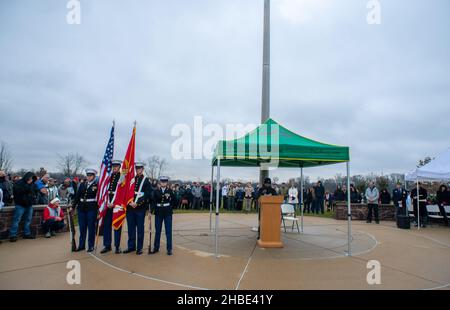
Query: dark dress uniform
x,y
107,221
163,209
423,195
136,216
86,204
399,196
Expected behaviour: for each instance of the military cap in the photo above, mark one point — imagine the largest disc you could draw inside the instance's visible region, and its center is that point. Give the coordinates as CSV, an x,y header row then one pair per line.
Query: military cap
x,y
116,162
91,171
139,164
163,179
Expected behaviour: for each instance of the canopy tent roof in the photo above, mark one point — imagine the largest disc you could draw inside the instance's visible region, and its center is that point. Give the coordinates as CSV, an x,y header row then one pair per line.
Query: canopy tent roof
x,y
438,169
272,142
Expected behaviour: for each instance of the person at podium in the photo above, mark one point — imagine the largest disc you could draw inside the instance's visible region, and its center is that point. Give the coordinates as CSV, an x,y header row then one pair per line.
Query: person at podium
x,y
265,190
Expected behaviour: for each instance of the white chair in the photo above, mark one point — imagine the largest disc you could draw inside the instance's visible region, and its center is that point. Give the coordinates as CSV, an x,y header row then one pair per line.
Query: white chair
x,y
434,212
410,210
447,210
288,214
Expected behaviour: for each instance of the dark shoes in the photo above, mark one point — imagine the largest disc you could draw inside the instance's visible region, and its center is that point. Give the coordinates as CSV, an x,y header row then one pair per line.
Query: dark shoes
x,y
128,251
105,250
377,222
52,233
368,222
79,249
153,252
170,253
139,252
12,239
117,251
90,250
29,237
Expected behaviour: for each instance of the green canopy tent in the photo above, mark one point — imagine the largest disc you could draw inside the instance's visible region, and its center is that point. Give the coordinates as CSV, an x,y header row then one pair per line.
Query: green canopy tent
x,y
271,145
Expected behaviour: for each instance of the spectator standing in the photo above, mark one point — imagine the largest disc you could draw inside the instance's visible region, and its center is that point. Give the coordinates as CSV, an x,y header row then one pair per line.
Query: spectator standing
x,y
225,195
293,195
7,188
443,199
421,199
239,196
320,197
354,195
24,198
41,185
284,191
230,197
248,197
308,200
339,194
372,196
385,197
206,196
197,195
52,189
66,192
53,218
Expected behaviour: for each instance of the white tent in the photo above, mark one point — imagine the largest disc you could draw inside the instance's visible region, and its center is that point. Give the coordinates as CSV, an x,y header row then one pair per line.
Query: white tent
x,y
436,170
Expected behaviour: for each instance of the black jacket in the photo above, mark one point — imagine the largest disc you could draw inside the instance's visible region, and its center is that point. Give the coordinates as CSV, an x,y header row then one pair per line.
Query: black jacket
x,y
163,202
24,194
266,191
86,197
143,196
385,197
399,196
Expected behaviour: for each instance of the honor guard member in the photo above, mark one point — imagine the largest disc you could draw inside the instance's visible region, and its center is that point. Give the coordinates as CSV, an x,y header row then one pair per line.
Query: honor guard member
x,y
107,221
136,211
164,199
86,204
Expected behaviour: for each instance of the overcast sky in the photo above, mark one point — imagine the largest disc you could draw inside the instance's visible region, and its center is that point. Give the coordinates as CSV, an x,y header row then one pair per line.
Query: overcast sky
x,y
383,90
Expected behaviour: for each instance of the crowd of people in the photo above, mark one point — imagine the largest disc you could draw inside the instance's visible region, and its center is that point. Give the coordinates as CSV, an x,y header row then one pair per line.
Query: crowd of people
x,y
29,190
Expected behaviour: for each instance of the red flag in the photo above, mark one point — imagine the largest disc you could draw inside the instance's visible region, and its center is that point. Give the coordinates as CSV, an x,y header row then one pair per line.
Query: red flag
x,y
125,188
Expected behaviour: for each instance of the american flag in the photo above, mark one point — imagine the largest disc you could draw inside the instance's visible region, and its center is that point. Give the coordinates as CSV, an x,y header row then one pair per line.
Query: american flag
x,y
105,178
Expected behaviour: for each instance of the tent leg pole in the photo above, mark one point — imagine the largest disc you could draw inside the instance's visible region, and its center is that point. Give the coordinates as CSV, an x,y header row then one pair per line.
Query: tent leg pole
x,y
211,198
418,204
349,213
301,197
216,228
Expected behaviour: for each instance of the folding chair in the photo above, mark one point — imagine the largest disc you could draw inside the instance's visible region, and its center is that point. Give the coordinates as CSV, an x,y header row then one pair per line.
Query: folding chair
x,y
288,214
434,212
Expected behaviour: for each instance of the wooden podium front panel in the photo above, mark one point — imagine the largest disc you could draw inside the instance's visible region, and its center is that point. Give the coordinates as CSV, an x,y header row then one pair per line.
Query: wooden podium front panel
x,y
270,221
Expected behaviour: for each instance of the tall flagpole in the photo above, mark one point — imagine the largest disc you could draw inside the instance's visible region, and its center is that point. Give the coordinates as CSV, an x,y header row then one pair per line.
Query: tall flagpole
x,y
265,104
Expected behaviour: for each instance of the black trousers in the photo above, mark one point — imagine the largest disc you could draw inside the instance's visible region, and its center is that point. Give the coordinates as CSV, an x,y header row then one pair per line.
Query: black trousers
x,y
444,214
52,225
373,208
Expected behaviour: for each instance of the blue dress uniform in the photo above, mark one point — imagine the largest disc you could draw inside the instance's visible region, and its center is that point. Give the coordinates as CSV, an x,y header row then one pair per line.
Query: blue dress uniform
x,y
107,221
399,196
136,216
86,204
163,209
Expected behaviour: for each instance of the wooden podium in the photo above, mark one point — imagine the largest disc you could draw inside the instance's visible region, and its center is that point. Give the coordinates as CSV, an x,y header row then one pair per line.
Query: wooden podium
x,y
270,222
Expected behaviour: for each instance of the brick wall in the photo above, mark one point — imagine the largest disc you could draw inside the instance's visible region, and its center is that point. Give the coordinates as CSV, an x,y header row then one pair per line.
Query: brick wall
x,y
6,218
360,210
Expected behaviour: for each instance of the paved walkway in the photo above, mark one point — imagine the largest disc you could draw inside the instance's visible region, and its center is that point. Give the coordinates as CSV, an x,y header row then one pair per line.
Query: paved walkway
x,y
410,259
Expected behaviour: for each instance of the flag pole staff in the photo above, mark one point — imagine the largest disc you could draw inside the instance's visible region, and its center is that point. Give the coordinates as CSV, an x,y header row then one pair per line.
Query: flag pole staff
x,y
98,216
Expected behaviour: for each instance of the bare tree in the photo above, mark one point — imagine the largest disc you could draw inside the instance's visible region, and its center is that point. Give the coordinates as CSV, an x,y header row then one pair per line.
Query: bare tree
x,y
80,164
156,167
5,157
71,164
66,164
